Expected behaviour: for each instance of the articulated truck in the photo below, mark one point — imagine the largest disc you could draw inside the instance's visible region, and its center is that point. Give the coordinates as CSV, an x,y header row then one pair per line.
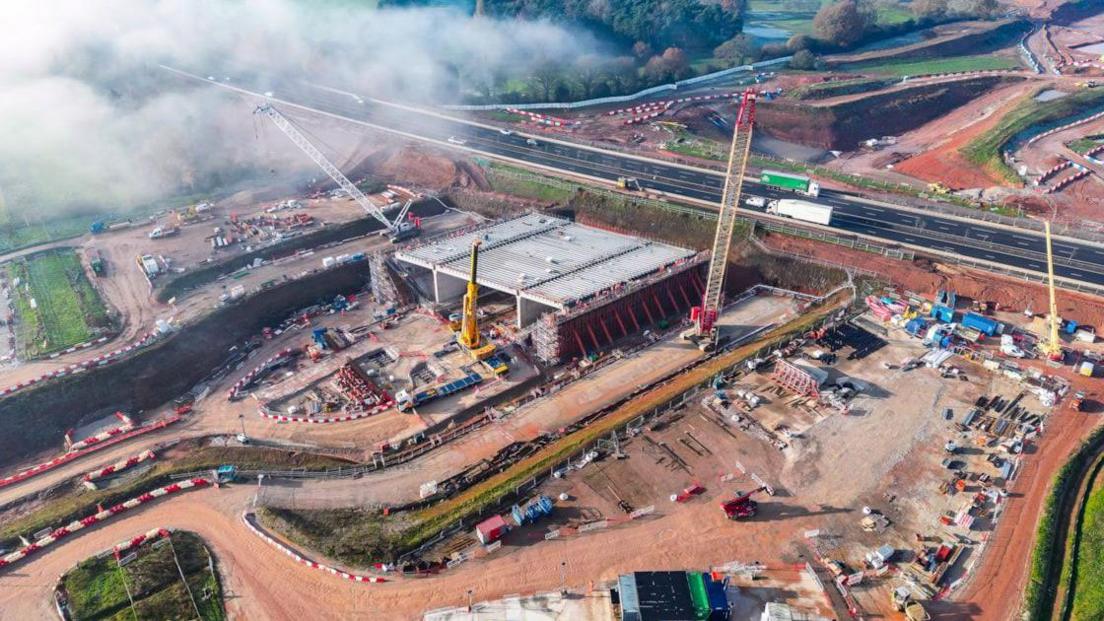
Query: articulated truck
x,y
801,210
789,182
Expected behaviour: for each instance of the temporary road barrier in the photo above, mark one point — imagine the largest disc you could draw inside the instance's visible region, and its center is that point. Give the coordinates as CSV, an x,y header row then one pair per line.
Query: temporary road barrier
x,y
101,516
119,466
74,454
77,367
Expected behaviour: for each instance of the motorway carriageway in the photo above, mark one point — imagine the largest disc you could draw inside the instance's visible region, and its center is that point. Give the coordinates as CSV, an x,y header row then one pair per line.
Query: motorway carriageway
x,y
1077,261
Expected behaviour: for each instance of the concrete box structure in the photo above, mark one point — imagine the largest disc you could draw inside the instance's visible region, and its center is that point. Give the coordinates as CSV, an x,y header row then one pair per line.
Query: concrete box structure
x,y
597,286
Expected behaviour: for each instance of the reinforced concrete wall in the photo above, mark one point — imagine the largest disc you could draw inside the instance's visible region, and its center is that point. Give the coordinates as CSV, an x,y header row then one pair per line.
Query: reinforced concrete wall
x,y
563,336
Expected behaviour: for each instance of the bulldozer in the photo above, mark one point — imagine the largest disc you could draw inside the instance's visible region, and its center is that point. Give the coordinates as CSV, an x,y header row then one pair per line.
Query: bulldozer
x,y
742,506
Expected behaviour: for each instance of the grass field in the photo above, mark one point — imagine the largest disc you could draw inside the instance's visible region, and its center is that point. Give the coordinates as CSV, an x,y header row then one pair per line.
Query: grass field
x,y
55,305
97,588
952,64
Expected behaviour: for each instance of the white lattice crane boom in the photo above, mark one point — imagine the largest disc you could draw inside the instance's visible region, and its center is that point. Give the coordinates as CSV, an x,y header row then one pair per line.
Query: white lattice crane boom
x,y
705,316
398,227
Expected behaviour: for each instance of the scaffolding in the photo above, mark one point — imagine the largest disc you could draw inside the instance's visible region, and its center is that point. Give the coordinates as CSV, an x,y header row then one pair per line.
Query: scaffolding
x,y
795,379
381,282
619,312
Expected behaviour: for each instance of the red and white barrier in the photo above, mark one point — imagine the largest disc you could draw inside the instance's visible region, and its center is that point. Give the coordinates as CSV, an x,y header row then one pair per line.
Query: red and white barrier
x,y
74,454
103,435
100,516
279,357
1063,128
280,418
1061,183
306,561
130,544
77,367
1064,164
542,119
119,466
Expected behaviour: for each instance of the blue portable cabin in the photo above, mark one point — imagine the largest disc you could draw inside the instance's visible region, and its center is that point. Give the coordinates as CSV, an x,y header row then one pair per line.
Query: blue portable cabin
x,y
942,313
980,323
916,326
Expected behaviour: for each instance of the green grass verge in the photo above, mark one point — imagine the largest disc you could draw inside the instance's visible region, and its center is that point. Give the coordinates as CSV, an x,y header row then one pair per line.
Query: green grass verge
x,y
1084,145
66,309
98,587
503,179
72,505
1088,580
985,150
953,64
825,90
1045,570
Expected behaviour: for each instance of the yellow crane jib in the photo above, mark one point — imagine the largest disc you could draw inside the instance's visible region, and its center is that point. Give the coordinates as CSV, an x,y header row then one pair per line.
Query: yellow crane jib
x,y
469,325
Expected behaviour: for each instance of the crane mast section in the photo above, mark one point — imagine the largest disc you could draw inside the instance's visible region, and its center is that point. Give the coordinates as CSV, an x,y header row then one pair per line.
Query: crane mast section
x,y
312,152
726,217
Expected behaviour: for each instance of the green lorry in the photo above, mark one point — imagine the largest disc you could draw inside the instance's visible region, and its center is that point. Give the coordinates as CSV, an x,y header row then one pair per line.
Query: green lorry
x,y
790,182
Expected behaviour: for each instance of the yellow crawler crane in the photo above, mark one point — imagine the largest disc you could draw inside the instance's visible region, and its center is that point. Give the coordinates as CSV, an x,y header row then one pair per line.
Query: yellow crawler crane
x,y
469,336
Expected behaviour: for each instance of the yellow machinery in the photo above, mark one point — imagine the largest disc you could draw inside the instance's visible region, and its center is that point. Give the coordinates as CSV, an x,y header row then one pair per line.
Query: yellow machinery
x,y
469,336
629,183
1051,346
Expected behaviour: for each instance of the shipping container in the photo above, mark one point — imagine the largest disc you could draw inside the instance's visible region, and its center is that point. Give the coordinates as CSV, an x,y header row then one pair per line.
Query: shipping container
x,y
491,529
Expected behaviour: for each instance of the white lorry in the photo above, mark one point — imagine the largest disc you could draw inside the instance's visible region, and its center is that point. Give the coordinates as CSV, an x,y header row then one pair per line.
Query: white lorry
x,y
801,210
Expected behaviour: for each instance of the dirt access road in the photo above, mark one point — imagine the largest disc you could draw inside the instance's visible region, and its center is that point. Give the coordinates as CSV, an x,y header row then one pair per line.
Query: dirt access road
x,y
262,583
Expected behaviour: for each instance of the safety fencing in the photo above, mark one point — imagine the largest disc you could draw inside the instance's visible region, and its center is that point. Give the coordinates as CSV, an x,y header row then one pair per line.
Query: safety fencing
x,y
77,453
100,516
250,522
78,367
615,99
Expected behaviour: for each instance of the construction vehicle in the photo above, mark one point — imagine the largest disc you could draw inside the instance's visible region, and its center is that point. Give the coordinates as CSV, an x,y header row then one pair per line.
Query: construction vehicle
x,y
902,601
704,332
469,337
398,229
629,183
162,232
1076,401
742,506
1051,347
939,189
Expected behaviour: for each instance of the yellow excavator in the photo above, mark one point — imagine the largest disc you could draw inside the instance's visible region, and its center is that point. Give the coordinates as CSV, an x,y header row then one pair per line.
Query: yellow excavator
x,y
469,336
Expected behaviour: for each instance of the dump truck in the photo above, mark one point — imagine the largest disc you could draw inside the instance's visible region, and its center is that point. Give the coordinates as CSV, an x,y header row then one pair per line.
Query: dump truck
x,y
801,210
790,182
